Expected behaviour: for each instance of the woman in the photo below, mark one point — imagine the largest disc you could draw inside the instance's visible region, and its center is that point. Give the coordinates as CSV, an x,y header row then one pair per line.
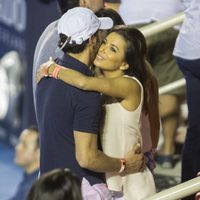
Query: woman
x,y
121,59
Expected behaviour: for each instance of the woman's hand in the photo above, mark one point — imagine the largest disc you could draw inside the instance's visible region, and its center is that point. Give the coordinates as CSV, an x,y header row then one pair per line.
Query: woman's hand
x,y
43,70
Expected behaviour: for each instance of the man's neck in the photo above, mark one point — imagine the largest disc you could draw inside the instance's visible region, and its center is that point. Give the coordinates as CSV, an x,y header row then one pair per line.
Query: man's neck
x,y
83,57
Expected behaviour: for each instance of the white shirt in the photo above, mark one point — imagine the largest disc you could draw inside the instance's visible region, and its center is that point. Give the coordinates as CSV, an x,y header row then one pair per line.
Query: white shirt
x,y
145,11
188,42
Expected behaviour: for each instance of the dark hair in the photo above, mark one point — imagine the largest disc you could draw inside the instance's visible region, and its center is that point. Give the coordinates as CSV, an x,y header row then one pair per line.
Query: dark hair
x,y
70,48
59,184
135,56
65,5
73,48
34,128
114,15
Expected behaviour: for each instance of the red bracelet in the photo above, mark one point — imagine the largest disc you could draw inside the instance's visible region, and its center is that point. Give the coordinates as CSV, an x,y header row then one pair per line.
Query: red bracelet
x,y
56,71
123,165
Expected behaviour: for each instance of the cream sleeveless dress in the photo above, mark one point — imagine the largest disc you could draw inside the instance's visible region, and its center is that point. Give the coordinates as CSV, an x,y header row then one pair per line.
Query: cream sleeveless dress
x,y
121,130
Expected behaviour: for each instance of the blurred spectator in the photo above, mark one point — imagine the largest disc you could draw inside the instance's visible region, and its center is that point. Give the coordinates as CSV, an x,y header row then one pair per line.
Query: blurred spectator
x,y
160,56
59,184
27,156
187,52
94,5
48,41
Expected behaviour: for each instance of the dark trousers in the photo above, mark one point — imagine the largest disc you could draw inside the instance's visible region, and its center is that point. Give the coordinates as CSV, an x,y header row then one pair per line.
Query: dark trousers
x,y
191,149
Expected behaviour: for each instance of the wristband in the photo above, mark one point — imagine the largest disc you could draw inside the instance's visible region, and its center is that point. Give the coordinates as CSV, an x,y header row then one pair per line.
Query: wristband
x,y
123,165
56,71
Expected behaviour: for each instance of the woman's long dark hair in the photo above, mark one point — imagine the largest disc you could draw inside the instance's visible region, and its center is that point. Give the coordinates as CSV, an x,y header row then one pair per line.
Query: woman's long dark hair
x,y
135,56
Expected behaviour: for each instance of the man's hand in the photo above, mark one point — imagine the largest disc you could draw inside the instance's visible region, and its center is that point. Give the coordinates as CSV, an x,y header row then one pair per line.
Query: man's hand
x,y
134,161
43,69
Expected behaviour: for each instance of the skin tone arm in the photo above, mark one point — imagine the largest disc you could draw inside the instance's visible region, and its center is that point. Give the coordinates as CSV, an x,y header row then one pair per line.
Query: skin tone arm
x,y
88,156
125,88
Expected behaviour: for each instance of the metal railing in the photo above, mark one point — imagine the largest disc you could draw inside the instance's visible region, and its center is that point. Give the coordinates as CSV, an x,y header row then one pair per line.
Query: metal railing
x,y
172,86
158,27
182,190
161,26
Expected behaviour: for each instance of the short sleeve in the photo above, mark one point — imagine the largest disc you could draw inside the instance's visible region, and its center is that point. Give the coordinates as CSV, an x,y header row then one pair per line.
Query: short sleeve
x,y
87,111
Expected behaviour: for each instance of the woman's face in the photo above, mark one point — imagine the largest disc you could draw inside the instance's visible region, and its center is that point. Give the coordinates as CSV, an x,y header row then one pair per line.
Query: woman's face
x,y
111,54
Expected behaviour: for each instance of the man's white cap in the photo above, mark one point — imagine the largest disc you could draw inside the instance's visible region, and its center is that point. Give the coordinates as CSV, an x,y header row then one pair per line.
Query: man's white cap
x,y
79,24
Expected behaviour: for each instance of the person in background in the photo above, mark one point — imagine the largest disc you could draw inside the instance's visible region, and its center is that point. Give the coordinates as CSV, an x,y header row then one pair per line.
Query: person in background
x,y
48,40
59,184
187,52
47,43
28,157
94,5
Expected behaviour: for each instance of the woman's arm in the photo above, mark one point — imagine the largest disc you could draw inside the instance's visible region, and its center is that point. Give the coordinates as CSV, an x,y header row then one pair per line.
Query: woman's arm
x,y
116,87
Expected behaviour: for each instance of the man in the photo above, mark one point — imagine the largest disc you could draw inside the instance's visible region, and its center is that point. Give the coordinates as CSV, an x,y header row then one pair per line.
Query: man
x,y
48,41
28,157
69,118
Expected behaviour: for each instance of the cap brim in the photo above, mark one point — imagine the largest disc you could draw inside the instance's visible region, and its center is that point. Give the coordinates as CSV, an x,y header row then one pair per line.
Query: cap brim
x,y
106,23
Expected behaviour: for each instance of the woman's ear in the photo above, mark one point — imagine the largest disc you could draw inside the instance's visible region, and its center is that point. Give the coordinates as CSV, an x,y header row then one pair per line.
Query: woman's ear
x,y
124,66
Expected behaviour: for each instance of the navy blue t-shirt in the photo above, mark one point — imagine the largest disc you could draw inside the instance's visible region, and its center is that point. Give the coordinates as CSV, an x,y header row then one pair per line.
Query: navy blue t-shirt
x,y
60,110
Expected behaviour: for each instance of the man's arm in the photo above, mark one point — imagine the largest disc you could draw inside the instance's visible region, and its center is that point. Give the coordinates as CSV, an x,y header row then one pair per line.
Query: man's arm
x,y
88,156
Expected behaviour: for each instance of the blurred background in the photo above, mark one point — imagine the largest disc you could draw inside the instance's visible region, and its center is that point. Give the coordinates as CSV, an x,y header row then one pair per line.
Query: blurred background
x,y
21,24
